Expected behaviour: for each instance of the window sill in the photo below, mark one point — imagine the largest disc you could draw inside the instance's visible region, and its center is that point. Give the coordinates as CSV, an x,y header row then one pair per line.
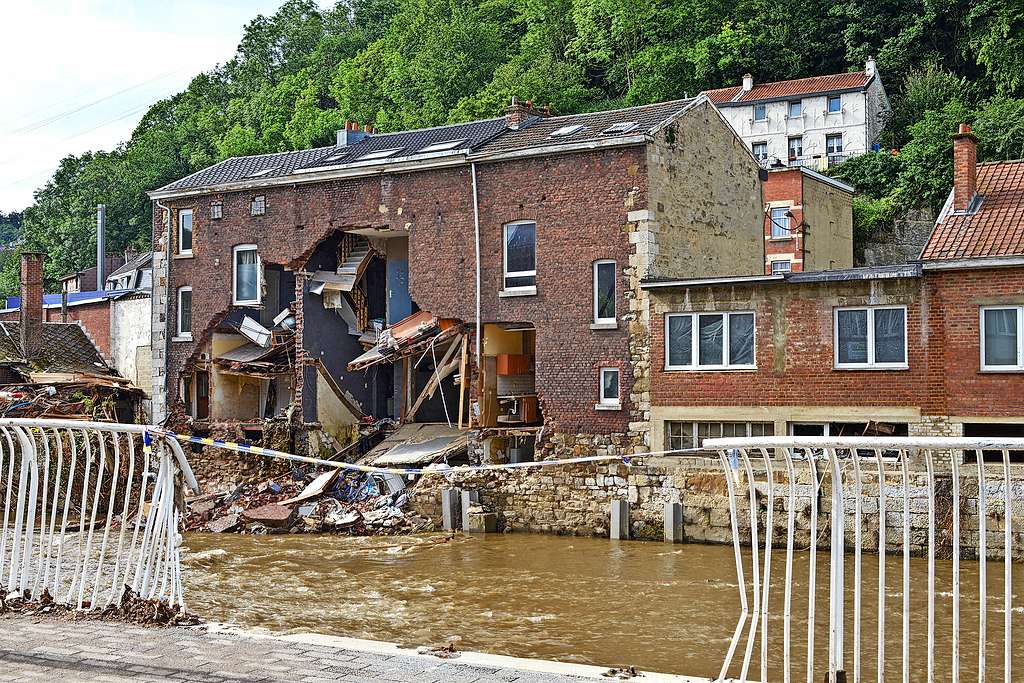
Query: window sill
x,y
185,255
605,326
608,406
787,238
524,291
872,368
745,368
182,338
1002,371
247,304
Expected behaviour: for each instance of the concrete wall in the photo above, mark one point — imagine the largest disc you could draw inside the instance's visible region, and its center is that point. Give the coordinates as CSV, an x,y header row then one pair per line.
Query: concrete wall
x,y
828,214
130,332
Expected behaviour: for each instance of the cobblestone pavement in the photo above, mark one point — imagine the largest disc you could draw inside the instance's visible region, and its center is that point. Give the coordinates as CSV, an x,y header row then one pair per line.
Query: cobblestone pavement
x,y
45,649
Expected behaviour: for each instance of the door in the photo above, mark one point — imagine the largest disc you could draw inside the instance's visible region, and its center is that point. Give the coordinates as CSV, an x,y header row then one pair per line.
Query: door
x,y
202,394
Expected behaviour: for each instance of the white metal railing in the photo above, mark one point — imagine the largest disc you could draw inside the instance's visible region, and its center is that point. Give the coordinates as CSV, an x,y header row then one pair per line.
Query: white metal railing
x,y
859,473
89,509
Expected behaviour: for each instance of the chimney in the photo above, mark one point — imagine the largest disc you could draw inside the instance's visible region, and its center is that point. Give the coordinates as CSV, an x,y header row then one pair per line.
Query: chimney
x,y
31,313
748,82
965,168
351,134
869,67
518,113
101,246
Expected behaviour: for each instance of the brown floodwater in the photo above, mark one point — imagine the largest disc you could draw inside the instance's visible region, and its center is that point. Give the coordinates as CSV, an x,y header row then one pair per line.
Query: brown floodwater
x,y
655,606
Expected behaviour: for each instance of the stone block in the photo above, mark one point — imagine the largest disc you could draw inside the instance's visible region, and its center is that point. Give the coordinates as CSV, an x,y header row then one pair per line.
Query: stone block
x,y
271,515
482,523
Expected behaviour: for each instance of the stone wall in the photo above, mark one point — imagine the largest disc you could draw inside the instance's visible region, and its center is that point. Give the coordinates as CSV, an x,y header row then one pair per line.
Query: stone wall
x,y
903,243
575,500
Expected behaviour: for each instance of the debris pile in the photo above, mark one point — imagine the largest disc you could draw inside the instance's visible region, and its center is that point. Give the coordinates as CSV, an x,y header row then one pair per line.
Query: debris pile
x,y
77,396
130,609
351,503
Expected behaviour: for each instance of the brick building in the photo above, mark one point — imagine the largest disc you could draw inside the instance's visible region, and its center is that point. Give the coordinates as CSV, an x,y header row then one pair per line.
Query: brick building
x,y
934,347
518,244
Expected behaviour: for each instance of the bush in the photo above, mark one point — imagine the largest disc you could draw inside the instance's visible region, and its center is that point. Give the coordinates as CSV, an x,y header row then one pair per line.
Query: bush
x,y
873,216
873,174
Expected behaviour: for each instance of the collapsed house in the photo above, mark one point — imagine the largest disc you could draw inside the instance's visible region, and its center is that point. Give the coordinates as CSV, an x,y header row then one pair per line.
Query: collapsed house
x,y
53,369
481,277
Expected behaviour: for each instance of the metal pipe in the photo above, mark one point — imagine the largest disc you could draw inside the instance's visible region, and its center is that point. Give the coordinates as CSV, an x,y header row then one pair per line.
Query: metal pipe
x,y
101,246
476,242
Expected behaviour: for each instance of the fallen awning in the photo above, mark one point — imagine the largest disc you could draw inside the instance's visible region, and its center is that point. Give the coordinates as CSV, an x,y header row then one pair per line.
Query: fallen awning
x,y
326,280
412,445
408,337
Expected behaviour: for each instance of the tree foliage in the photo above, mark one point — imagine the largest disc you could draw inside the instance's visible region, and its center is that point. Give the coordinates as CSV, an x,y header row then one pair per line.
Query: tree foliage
x,y
299,73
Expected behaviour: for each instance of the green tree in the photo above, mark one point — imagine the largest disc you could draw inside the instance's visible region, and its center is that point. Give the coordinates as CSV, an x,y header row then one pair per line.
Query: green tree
x,y
927,159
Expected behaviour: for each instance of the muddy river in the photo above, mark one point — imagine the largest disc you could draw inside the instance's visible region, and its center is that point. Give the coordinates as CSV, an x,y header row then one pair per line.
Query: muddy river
x,y
651,605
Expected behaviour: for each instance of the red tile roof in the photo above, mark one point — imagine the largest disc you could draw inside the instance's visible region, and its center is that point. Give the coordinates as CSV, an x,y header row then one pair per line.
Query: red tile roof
x,y
792,88
996,229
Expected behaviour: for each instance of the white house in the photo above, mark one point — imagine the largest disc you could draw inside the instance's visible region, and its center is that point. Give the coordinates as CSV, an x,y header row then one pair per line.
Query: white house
x,y
815,122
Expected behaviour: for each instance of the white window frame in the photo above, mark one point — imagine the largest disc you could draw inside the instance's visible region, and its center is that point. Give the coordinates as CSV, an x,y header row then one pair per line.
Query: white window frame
x,y
216,210
832,136
234,276
604,402
789,108
764,110
828,104
615,284
870,364
786,231
789,147
1019,367
695,429
505,274
787,269
753,150
695,365
179,332
263,205
192,232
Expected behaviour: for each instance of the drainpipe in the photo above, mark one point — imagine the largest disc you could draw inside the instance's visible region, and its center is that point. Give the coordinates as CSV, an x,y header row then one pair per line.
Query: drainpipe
x,y
476,234
167,296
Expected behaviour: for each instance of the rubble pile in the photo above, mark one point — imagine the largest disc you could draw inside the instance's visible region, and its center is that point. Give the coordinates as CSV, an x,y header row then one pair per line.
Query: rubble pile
x,y
350,503
131,609
84,397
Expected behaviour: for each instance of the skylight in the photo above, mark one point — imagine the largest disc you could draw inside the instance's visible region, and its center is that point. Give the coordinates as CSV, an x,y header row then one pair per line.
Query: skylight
x,y
336,156
441,146
262,172
619,128
566,131
381,153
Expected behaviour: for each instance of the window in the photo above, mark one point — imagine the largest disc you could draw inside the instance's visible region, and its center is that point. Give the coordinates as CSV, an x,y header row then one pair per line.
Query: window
x,y
258,207
795,109
709,341
604,291
380,154
796,147
619,128
835,104
566,131
442,146
609,387
185,231
247,275
1002,344
760,150
779,267
834,144
184,312
520,255
216,210
683,435
871,337
781,226
760,112
262,172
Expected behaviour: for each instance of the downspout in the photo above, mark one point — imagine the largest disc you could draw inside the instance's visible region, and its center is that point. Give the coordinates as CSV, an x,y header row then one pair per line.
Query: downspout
x,y
167,298
476,234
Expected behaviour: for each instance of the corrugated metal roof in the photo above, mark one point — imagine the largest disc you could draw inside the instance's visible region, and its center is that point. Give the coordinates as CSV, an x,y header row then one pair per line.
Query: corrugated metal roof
x,y
996,229
814,85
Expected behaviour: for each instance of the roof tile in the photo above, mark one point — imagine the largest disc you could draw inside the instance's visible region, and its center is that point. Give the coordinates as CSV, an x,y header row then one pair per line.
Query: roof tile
x,y
791,88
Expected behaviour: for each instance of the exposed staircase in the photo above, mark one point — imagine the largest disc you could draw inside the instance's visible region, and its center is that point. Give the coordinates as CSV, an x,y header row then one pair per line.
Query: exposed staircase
x,y
354,253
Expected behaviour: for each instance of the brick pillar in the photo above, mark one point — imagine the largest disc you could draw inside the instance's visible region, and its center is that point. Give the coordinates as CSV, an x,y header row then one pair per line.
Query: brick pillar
x,y
517,113
965,168
31,315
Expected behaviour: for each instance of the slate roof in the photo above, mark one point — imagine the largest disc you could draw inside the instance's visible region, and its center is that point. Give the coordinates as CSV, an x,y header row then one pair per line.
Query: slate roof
x,y
797,87
242,168
411,142
995,229
64,348
536,132
139,261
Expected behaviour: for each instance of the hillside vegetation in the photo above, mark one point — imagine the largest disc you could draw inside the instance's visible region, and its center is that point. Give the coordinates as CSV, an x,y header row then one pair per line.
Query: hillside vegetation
x,y
297,75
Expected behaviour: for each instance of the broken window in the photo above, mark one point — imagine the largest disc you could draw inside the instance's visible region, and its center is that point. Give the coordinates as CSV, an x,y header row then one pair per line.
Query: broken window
x,y
871,337
246,275
1002,345
609,387
709,341
520,255
185,231
185,312
258,207
604,291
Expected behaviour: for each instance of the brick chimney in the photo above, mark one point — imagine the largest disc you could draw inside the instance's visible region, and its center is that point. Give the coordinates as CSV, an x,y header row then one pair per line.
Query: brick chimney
x,y
517,113
965,168
31,313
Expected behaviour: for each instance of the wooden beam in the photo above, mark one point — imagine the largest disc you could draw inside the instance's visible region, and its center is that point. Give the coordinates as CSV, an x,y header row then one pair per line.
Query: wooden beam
x,y
462,376
441,370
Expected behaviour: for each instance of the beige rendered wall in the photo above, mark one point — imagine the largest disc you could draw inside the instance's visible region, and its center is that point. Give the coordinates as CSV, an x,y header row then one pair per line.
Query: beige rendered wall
x,y
828,236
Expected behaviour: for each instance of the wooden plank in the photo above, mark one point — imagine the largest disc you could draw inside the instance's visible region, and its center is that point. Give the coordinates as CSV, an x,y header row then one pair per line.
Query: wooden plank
x,y
444,368
489,393
462,377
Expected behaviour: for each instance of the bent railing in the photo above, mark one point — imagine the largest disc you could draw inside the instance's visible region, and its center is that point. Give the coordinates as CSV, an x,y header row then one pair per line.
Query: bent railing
x,y
874,497
89,509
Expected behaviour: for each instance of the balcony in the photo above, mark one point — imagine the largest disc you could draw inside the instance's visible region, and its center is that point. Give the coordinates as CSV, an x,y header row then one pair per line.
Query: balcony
x,y
815,162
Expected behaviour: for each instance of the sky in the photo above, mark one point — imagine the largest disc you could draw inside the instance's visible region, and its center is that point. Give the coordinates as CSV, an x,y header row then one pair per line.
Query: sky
x,y
79,75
